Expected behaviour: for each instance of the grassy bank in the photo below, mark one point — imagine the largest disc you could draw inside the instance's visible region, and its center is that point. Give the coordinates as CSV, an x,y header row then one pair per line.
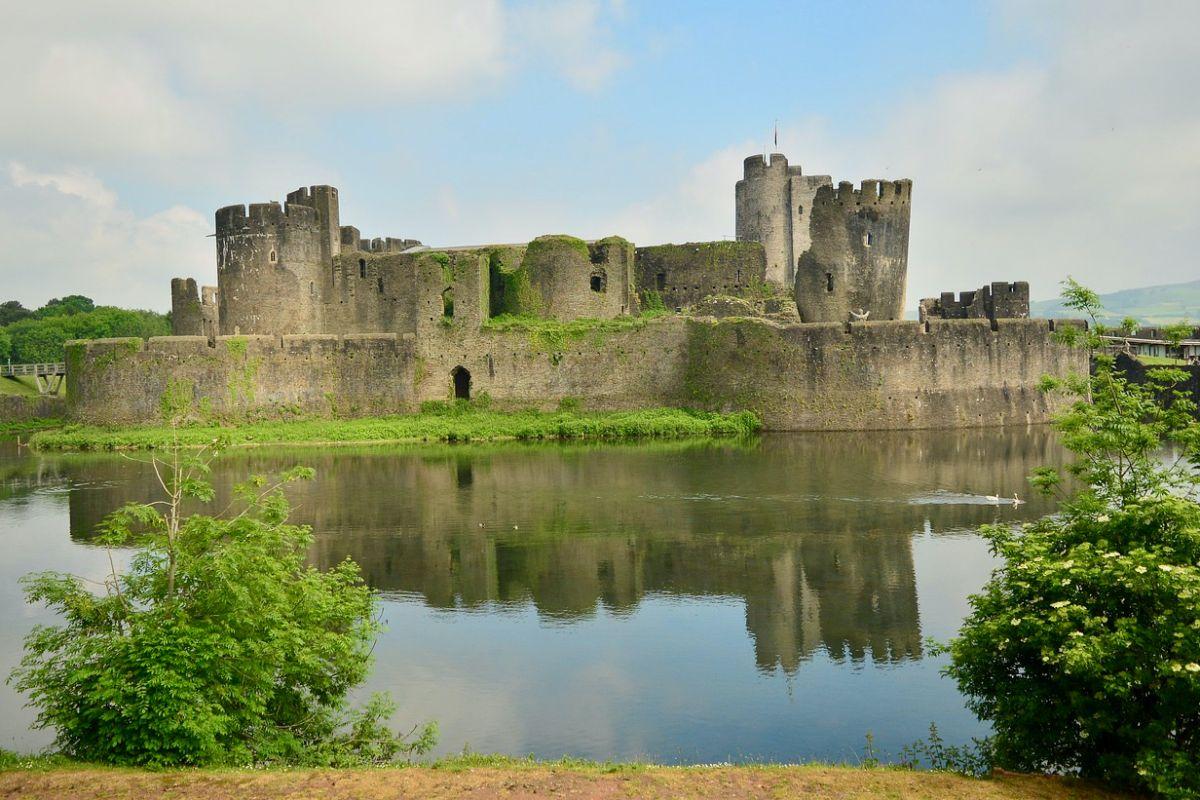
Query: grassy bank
x,y
489,777
23,386
439,425
28,425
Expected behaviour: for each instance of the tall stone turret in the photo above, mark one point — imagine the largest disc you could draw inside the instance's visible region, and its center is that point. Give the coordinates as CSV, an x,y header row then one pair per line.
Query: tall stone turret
x,y
840,250
774,204
275,263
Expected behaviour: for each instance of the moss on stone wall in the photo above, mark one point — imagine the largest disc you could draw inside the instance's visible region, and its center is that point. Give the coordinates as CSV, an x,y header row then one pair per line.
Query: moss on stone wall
x,y
123,349
511,291
175,403
542,244
552,336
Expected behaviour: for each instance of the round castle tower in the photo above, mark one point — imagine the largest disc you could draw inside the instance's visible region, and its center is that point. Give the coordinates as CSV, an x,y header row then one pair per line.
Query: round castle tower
x,y
275,263
840,250
858,262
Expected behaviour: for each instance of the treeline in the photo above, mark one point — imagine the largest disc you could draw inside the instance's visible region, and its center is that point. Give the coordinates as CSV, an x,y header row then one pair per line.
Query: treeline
x,y
36,336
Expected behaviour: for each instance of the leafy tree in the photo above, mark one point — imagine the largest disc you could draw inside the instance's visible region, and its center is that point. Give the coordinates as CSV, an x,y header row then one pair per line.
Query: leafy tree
x,y
1175,333
41,339
1083,650
37,341
5,345
12,311
65,306
218,644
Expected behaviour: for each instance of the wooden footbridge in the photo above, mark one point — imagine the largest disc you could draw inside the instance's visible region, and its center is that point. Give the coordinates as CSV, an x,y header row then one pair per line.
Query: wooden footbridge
x,y
48,377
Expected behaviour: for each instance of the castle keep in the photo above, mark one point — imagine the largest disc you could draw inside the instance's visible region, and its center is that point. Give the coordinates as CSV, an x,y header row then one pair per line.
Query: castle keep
x,y
799,319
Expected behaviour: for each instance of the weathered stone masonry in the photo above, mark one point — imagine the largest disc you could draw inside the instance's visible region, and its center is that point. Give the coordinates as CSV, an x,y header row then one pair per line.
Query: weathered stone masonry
x,y
872,375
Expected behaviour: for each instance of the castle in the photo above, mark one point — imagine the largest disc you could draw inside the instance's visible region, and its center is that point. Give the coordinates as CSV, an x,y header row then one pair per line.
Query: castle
x,y
798,319
295,269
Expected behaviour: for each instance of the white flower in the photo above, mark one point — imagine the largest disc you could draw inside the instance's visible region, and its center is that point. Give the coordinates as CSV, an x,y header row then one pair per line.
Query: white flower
x,y
1016,620
1193,667
1165,567
1176,668
1113,554
1102,518
1076,634
1060,604
1140,570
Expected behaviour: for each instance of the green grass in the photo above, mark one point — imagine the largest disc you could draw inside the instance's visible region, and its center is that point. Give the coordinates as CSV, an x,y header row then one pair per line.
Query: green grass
x,y
23,386
26,425
1162,361
445,424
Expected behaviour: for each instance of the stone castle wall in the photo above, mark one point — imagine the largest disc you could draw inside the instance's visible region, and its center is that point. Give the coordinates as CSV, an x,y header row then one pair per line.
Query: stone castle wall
x,y
880,375
684,274
239,377
874,375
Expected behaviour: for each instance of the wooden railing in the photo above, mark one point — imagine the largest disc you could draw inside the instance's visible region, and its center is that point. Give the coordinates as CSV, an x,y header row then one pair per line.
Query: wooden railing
x,y
48,377
17,370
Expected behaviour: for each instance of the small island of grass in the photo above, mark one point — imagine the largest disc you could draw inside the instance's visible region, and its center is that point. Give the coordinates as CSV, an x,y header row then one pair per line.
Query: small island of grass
x,y
435,423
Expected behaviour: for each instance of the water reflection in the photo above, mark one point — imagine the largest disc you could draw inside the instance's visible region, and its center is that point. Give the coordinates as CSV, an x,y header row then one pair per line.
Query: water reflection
x,y
813,534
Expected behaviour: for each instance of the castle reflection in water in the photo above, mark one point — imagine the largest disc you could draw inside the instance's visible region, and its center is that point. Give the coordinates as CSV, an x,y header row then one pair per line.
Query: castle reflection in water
x,y
812,532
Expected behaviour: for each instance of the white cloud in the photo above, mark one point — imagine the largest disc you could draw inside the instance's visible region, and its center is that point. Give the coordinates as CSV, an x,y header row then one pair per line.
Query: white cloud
x,y
66,233
1080,165
569,34
82,100
74,182
145,81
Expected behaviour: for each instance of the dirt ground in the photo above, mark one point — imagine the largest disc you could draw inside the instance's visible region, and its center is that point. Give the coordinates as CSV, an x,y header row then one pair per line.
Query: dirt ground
x,y
732,783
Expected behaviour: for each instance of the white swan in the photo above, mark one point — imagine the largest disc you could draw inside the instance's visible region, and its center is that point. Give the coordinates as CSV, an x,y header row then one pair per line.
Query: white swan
x,y
1016,501
994,499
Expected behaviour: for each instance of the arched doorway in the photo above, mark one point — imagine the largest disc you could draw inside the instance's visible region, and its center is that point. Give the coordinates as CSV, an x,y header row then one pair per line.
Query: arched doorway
x,y
462,383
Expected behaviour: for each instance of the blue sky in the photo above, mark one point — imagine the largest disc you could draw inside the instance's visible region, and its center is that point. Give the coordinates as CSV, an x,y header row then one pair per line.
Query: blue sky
x,y
1039,136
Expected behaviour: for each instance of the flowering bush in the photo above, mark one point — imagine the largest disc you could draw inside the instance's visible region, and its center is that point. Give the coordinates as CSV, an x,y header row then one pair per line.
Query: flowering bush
x,y
1083,650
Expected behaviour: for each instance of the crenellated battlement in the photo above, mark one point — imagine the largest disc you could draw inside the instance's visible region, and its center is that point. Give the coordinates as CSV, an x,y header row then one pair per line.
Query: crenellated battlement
x,y
872,191
264,218
757,166
998,300
353,241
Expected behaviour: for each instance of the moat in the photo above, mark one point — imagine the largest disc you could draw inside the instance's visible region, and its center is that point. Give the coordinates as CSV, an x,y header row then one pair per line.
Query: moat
x,y
680,602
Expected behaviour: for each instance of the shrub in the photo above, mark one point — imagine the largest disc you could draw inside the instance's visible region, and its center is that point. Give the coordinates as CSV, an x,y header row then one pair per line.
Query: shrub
x,y
218,645
1083,650
39,338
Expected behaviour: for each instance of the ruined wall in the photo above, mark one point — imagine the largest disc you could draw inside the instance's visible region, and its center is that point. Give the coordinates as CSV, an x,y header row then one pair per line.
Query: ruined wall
x,y
684,274
274,262
879,375
619,366
859,254
186,319
396,292
874,375
193,313
574,279
239,377
19,408
1000,300
210,311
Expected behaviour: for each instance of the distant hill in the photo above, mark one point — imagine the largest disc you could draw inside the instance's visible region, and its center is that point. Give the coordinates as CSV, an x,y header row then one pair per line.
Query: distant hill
x,y
1149,305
